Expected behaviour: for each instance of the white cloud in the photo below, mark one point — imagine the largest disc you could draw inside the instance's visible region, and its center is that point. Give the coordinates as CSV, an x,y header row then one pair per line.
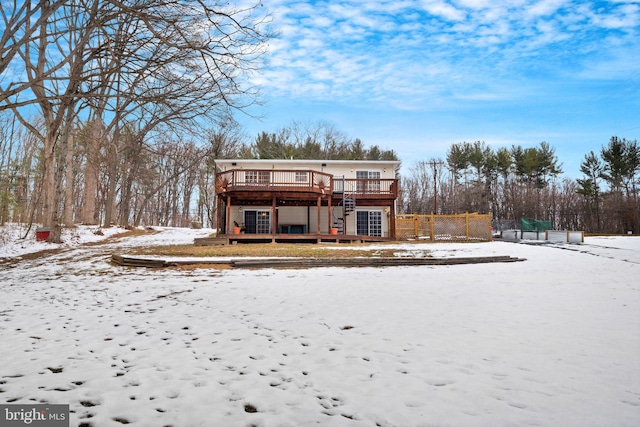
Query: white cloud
x,y
476,4
443,9
418,49
319,21
626,16
311,43
545,7
344,11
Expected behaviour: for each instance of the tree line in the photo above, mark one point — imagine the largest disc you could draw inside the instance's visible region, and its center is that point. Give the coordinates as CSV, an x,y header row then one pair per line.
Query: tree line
x,y
112,112
173,183
312,141
526,182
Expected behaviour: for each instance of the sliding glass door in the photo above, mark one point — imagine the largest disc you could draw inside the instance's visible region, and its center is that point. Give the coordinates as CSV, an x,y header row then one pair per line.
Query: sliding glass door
x,y
257,222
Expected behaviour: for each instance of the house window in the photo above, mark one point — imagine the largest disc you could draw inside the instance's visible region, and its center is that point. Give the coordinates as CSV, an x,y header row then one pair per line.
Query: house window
x,y
302,177
370,181
256,177
369,223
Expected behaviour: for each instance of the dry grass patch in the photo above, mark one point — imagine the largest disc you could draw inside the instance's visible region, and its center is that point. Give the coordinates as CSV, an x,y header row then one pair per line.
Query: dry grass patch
x,y
265,250
201,266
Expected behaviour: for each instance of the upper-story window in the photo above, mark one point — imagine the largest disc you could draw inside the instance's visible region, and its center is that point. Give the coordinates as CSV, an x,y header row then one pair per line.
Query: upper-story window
x,y
256,177
370,181
302,177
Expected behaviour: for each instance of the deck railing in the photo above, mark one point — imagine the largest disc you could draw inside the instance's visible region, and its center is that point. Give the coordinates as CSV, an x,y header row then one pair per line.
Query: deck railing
x,y
365,186
301,180
261,179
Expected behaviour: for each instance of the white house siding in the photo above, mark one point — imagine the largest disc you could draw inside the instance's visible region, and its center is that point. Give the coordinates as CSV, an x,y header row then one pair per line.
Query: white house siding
x,y
293,215
288,215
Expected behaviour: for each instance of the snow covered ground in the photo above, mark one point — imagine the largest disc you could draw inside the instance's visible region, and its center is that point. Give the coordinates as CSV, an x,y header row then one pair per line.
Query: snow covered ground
x,y
552,341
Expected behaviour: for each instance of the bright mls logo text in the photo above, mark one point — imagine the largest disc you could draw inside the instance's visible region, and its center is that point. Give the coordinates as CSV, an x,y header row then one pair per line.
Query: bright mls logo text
x,y
36,415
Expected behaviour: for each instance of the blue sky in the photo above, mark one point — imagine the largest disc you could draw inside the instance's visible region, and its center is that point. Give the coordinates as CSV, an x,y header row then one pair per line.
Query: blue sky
x,y
419,75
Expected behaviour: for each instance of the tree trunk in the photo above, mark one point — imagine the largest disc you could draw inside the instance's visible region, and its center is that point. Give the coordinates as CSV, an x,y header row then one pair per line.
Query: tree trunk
x,y
91,170
112,177
5,189
49,187
112,184
110,201
68,212
55,235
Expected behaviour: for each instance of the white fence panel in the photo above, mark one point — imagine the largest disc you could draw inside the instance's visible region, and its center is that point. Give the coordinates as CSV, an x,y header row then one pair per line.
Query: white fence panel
x,y
554,236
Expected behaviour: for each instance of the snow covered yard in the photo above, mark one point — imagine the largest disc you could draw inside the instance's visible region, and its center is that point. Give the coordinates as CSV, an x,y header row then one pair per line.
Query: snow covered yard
x,y
553,341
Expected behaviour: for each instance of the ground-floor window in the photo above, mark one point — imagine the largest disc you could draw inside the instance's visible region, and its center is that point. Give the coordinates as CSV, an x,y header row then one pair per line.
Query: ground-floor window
x,y
257,222
369,223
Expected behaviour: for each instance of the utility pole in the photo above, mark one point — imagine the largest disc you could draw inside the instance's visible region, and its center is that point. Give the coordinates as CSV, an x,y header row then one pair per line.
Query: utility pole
x,y
434,164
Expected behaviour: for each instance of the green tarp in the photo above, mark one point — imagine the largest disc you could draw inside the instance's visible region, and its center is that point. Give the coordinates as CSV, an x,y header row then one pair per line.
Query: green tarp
x,y
530,224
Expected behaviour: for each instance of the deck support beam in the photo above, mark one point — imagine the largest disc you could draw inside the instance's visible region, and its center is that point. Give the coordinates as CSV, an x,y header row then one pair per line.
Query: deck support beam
x,y
227,227
392,221
319,209
274,218
329,215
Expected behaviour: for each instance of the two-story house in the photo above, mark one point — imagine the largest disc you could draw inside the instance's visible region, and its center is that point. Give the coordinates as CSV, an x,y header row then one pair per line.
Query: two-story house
x,y
306,200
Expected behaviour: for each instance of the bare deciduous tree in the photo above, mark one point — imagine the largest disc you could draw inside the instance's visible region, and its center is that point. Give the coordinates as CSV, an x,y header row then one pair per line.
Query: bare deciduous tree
x,y
168,63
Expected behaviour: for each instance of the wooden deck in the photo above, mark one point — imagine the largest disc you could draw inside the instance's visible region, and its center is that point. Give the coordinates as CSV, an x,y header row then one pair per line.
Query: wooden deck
x,y
226,239
310,182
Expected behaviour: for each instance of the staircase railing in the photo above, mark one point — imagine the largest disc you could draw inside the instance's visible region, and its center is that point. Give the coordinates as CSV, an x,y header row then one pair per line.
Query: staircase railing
x,y
348,202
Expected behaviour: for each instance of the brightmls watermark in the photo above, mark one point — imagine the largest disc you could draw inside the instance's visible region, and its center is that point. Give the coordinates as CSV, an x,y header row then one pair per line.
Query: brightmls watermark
x,y
34,415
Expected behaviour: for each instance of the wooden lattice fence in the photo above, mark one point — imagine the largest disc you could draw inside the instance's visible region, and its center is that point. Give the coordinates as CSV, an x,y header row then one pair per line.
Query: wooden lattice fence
x,y
461,227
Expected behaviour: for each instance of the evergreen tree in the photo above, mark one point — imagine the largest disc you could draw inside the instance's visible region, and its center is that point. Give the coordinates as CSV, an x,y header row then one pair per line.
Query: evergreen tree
x,y
589,188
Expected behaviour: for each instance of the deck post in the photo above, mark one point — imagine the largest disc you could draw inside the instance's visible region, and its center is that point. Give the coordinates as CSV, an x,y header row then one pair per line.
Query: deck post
x,y
319,209
228,222
329,215
218,223
274,219
392,221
